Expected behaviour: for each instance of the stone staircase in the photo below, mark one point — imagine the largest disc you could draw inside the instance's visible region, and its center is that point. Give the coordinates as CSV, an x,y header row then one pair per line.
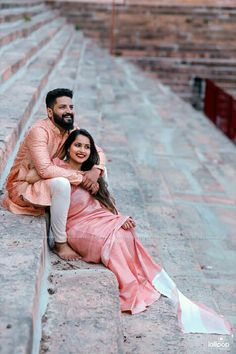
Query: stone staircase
x,y
176,42
171,169
40,51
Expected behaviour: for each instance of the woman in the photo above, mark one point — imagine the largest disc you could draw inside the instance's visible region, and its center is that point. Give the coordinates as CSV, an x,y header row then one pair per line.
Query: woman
x,y
99,233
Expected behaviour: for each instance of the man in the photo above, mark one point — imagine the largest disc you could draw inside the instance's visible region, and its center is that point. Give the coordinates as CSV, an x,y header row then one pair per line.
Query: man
x,y
34,182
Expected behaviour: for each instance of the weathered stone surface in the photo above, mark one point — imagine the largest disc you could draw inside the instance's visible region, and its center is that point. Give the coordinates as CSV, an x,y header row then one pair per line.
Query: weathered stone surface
x,y
20,53
14,14
23,266
175,40
29,88
83,313
174,173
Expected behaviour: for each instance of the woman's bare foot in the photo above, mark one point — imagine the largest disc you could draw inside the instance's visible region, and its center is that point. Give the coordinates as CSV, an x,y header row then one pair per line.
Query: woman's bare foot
x,y
65,252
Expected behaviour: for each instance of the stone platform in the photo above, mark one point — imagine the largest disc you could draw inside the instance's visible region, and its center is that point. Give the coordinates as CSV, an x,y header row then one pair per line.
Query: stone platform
x,y
168,167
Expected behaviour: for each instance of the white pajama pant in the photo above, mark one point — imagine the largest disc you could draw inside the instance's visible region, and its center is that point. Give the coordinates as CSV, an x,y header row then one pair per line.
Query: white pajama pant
x,y
60,201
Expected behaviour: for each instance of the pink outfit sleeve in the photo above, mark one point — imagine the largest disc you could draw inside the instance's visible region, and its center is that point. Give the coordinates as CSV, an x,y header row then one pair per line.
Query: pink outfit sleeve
x,y
37,142
102,158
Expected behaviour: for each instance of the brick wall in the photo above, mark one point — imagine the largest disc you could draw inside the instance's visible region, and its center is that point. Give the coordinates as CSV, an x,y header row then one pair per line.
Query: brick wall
x,y
176,42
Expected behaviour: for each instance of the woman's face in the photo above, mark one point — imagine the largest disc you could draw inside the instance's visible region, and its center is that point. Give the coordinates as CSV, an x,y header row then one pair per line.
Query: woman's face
x,y
80,149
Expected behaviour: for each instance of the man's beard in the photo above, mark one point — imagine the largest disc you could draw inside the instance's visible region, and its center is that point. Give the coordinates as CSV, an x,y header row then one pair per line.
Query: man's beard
x,y
62,121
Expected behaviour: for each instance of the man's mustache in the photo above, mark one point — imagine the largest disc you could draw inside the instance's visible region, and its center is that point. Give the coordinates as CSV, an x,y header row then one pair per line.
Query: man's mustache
x,y
71,115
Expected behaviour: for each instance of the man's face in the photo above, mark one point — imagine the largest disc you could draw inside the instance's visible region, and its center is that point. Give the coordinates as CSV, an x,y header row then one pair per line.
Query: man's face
x,y
62,113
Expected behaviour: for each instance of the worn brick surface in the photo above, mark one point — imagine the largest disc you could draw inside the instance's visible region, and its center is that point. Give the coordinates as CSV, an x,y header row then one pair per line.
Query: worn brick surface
x,y
175,40
89,318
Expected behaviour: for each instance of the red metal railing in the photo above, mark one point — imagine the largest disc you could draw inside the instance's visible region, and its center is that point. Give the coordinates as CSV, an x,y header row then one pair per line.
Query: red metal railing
x,y
220,108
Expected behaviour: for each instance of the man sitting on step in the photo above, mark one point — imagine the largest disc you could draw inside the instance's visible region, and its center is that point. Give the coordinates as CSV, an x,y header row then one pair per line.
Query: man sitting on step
x,y
34,182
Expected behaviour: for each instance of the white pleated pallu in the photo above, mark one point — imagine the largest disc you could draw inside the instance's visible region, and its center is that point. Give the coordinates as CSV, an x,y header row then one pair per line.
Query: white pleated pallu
x,y
192,317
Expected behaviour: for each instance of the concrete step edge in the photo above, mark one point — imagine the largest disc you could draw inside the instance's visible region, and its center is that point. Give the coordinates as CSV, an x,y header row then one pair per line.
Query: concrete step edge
x,y
19,10
21,330
9,4
46,34
22,31
83,313
29,88
18,13
24,271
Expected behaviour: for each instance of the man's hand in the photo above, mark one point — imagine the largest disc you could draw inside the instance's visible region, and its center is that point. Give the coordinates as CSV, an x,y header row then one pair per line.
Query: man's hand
x,y
32,176
90,180
90,177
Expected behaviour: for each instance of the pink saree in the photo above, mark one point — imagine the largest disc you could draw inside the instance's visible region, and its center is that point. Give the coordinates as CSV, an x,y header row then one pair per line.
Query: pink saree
x,y
96,234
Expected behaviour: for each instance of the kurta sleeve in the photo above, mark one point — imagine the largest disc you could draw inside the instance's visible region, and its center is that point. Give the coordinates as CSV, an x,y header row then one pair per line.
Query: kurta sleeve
x,y
102,159
37,143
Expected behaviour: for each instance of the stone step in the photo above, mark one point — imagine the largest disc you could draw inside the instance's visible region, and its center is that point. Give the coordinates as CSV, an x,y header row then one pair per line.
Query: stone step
x,y
153,25
7,4
146,19
23,274
17,55
185,74
185,89
175,52
156,45
157,35
95,292
15,14
116,96
146,29
24,29
28,87
221,65
124,39
83,313
181,8
24,252
170,77
181,3
179,76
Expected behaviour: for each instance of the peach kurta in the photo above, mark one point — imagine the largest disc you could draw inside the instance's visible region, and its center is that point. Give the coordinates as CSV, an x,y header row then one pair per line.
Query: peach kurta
x,y
33,162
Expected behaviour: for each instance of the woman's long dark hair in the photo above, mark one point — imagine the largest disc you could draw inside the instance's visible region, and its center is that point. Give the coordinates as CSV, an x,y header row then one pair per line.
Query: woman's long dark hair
x,y
103,195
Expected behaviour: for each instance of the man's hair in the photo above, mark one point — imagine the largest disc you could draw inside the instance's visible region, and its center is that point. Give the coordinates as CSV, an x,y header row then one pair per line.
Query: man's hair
x,y
54,94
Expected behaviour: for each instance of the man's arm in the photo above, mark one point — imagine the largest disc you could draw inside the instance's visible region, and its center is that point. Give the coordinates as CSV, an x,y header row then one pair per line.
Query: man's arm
x,y
91,177
102,159
37,143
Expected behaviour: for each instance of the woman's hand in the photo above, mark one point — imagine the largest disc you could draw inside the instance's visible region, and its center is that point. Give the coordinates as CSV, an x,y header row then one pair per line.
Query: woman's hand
x,y
129,224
